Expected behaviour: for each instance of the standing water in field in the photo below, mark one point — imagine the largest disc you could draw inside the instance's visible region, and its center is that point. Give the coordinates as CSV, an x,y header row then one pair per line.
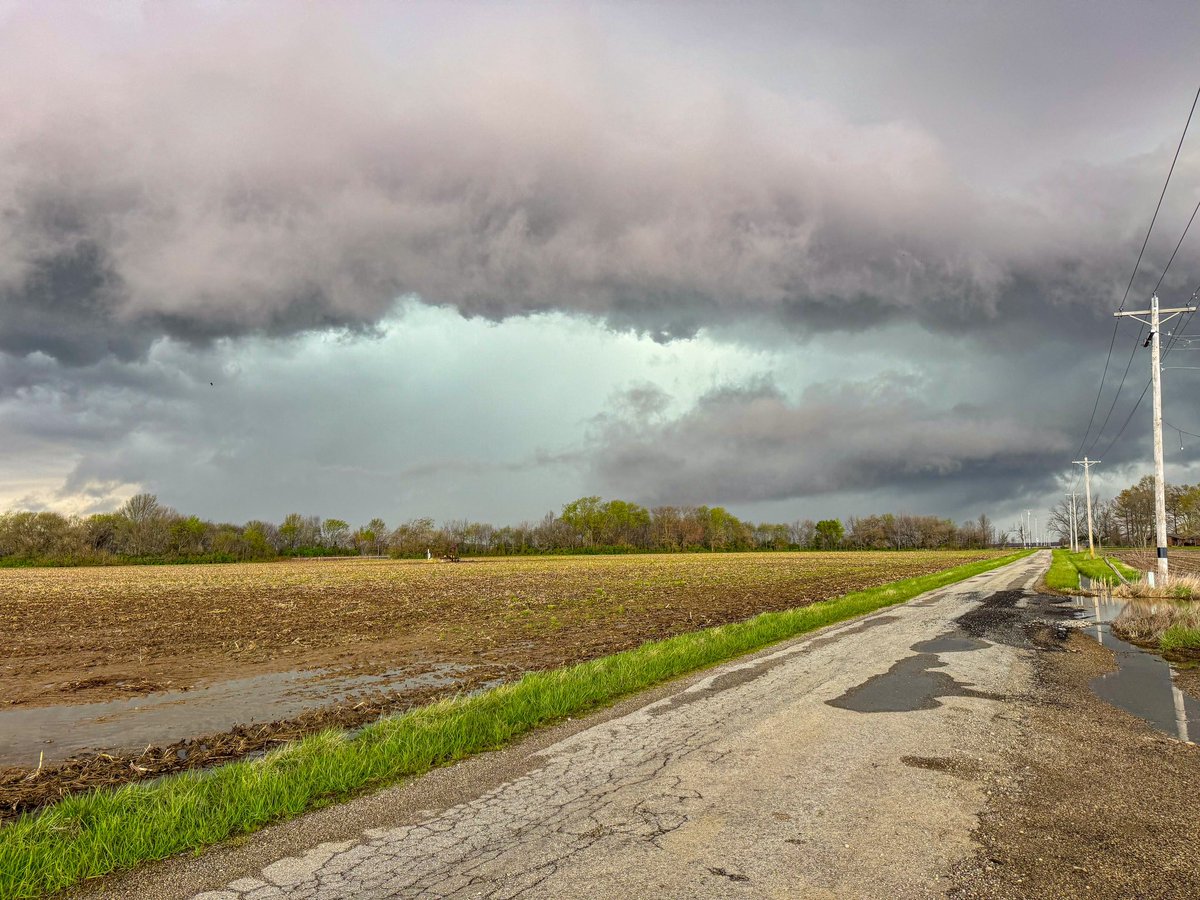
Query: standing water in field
x,y
52,733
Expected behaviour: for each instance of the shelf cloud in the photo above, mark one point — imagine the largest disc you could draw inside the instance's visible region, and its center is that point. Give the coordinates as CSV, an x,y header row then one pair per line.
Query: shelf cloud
x,y
270,170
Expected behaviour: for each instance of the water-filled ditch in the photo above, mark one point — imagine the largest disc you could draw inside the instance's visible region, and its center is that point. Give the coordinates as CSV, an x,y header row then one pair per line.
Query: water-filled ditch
x,y
1143,683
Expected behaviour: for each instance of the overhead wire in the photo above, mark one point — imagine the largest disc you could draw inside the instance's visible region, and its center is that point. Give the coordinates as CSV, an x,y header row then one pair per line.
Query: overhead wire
x,y
1181,430
1128,287
1142,330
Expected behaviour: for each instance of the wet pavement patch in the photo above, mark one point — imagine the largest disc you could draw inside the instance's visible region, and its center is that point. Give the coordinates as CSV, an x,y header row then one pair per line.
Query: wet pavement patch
x,y
998,613
723,873
1143,685
745,674
909,685
950,642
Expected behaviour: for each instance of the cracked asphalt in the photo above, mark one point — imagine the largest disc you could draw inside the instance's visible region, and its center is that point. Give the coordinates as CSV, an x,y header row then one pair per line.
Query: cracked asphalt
x,y
853,762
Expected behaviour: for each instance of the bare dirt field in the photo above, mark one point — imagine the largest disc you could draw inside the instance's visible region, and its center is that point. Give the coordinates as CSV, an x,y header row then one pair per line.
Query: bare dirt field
x,y
110,643
1183,559
84,634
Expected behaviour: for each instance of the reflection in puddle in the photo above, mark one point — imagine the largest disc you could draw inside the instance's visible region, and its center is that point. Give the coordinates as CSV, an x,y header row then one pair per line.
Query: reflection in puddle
x,y
168,716
1142,684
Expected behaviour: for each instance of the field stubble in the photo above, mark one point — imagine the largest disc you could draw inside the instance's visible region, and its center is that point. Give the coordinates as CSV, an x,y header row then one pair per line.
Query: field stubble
x,y
81,635
84,634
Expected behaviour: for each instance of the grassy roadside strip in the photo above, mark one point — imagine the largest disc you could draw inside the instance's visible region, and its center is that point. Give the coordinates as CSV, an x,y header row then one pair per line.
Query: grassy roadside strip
x,y
89,835
1062,575
1066,567
1096,569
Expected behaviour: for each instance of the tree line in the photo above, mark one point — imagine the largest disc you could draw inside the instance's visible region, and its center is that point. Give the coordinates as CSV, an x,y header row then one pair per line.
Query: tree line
x,y
144,530
1127,520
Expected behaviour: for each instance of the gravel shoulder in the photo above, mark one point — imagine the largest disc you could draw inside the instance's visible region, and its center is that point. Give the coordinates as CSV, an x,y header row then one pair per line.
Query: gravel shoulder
x,y
1102,804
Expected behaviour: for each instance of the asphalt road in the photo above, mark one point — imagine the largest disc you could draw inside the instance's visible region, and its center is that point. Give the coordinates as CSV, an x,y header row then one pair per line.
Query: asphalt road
x,y
853,762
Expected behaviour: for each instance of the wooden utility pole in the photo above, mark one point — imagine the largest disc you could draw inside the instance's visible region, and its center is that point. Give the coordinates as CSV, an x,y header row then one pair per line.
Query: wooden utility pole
x,y
1087,482
1073,523
1160,484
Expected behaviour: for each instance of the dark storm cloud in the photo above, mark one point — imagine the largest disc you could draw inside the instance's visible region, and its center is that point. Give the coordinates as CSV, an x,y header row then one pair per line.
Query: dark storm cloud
x,y
248,171
750,444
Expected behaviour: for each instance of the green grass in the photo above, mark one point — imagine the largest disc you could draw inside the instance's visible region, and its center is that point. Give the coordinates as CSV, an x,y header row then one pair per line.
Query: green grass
x,y
1066,567
1062,575
1095,569
1180,637
89,835
1129,572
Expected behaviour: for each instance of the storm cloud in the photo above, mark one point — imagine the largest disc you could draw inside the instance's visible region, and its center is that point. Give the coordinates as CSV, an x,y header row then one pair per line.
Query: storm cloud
x,y
747,444
828,259
201,172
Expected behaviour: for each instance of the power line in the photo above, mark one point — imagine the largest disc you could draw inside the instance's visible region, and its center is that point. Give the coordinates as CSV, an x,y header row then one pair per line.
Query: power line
x,y
1117,396
1129,286
1181,430
1162,194
1128,418
1100,391
1178,244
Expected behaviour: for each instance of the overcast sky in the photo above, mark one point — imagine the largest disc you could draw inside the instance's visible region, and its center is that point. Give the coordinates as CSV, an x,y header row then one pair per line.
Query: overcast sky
x,y
474,261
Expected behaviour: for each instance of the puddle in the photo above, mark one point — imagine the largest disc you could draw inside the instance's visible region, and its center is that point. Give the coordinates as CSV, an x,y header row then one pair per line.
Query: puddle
x,y
1142,684
950,642
744,674
909,685
169,716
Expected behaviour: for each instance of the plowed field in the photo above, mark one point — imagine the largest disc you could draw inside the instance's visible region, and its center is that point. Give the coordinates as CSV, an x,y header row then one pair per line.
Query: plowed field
x,y
72,637
1182,559
83,634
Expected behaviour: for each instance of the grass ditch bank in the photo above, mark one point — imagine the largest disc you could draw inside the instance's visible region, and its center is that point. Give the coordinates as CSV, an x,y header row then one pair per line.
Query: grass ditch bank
x,y
1163,622
1066,567
90,835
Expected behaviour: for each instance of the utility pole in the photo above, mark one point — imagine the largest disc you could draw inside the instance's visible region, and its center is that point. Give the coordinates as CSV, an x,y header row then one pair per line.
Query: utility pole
x,y
1087,482
1074,517
1025,536
1160,483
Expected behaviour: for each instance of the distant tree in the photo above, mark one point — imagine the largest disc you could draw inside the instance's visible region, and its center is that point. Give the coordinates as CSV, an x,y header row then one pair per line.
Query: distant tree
x,y
298,533
414,537
335,533
802,533
145,524
987,530
378,531
583,516
830,533
290,531
188,535
261,539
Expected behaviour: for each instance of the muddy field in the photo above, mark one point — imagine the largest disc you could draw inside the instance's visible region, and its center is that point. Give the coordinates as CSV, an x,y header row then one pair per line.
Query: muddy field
x,y
155,665
1183,559
84,634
